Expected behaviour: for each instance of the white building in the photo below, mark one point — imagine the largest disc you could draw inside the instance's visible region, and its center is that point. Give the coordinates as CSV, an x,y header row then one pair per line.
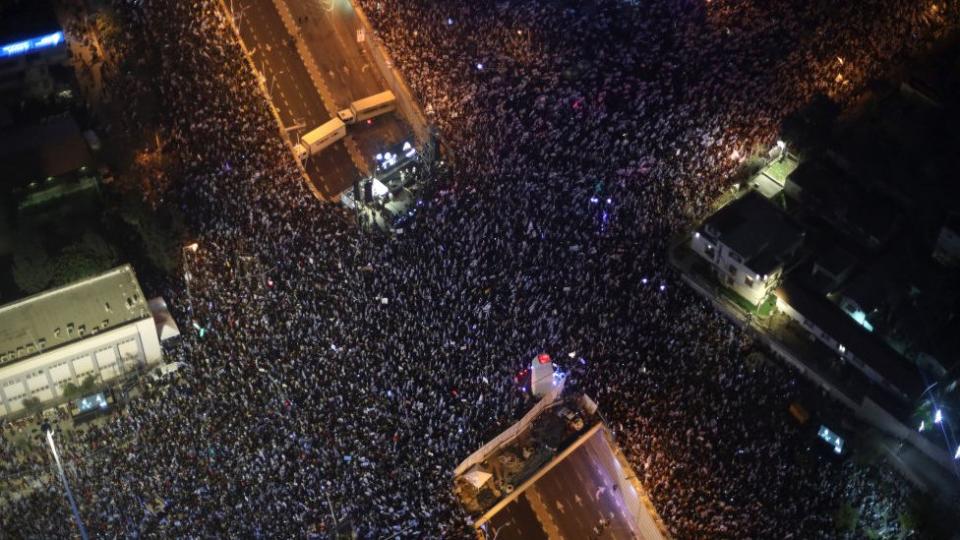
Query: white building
x,y
101,326
748,243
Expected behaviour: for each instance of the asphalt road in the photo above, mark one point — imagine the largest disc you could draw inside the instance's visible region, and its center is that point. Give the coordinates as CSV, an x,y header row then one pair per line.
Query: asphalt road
x,y
344,71
570,500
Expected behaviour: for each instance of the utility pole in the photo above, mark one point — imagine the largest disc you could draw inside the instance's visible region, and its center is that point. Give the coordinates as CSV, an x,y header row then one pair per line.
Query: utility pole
x,y
63,478
336,524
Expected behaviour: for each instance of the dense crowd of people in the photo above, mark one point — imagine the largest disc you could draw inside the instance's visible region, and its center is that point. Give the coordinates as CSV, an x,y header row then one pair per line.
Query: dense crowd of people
x,y
341,376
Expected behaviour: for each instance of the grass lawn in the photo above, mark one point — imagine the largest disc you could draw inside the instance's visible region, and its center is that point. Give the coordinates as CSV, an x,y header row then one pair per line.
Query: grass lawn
x,y
779,169
740,301
767,306
764,310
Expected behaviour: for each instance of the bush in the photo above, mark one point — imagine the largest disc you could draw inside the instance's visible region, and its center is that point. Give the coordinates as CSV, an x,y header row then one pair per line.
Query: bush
x,y
846,518
32,404
70,390
88,385
90,256
32,268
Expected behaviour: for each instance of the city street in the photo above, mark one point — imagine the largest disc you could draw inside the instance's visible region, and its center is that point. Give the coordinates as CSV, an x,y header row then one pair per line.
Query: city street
x,y
311,75
573,497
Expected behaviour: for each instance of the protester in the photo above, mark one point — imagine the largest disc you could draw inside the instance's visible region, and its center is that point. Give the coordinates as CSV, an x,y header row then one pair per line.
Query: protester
x,y
341,376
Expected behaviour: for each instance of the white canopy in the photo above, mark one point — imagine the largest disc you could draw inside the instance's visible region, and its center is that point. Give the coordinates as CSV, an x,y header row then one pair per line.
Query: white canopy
x,y
477,478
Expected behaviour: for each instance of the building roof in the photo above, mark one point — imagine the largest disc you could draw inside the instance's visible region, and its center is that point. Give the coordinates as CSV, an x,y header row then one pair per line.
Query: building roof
x,y
825,188
867,347
835,259
38,151
757,230
68,314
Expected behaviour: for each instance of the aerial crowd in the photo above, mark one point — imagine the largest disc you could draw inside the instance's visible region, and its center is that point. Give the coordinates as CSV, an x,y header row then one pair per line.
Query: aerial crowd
x,y
340,376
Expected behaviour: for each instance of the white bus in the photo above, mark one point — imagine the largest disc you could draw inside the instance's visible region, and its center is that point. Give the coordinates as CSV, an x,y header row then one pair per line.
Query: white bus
x,y
369,107
320,138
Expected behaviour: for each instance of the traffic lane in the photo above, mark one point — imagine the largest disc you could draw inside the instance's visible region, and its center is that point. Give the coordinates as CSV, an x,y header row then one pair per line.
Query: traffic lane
x,y
347,25
517,521
332,38
287,82
273,52
598,452
579,493
331,171
383,132
320,39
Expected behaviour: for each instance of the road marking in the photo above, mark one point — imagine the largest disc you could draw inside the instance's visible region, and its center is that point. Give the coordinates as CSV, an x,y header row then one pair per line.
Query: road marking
x,y
263,91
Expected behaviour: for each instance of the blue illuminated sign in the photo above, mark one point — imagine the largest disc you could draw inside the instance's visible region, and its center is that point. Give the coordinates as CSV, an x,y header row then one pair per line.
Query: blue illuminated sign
x,y
831,438
23,47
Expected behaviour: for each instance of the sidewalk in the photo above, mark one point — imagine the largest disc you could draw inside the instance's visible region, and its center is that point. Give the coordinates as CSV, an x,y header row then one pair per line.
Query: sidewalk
x,y
407,104
232,23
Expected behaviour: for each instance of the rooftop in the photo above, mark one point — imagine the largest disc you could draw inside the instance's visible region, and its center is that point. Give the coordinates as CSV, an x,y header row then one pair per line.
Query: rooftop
x,y
893,368
864,214
68,314
757,230
42,150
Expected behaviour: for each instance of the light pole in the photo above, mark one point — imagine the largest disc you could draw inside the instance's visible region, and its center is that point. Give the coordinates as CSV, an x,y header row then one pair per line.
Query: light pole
x,y
63,478
186,271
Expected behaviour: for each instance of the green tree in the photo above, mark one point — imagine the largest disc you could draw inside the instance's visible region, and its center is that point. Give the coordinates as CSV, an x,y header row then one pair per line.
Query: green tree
x,y
846,518
70,390
159,233
91,255
32,268
88,385
32,404
159,243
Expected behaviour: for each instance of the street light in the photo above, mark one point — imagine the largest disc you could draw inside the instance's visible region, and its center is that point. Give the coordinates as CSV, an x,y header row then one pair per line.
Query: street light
x,y
186,272
63,478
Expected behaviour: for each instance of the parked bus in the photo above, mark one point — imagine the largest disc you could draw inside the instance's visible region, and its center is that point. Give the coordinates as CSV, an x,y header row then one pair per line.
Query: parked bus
x,y
320,138
369,107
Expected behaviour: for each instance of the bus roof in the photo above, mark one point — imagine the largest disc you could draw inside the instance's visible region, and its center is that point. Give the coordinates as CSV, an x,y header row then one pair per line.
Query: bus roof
x,y
375,100
326,129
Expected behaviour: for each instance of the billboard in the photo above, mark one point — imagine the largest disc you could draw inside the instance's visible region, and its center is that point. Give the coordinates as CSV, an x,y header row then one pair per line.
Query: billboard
x,y
29,45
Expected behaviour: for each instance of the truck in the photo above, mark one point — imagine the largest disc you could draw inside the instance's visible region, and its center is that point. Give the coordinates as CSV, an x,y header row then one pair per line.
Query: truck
x,y
368,107
320,138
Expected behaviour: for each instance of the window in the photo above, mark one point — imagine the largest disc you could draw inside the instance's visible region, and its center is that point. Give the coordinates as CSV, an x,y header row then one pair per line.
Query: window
x,y
732,269
747,281
709,251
